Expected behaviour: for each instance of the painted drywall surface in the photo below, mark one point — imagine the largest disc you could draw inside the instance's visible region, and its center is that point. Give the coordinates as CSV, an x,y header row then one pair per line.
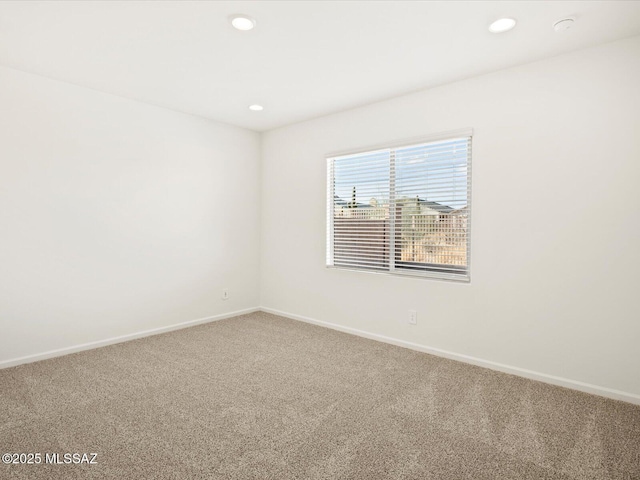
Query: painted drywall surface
x,y
117,217
555,234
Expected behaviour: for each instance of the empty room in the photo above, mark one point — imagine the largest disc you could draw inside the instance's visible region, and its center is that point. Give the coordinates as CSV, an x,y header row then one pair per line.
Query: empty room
x,y
320,240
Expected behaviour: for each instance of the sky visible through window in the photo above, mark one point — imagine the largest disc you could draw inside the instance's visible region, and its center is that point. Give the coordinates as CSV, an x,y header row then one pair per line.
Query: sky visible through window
x,y
434,172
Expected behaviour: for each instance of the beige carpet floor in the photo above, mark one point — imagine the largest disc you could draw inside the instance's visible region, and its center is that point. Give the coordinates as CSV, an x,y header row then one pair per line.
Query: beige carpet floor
x,y
264,397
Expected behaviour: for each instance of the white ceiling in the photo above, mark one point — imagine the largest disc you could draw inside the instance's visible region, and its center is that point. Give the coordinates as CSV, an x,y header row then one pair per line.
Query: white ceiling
x,y
304,59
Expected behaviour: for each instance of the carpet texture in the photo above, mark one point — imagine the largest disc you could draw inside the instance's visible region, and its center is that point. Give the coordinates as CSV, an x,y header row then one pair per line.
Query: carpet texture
x,y
264,397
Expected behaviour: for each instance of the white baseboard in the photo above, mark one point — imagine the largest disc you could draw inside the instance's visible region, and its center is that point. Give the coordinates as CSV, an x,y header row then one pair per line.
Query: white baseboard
x,y
521,372
123,338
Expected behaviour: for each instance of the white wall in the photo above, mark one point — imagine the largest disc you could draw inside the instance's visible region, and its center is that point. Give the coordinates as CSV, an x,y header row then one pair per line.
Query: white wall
x,y
117,217
556,223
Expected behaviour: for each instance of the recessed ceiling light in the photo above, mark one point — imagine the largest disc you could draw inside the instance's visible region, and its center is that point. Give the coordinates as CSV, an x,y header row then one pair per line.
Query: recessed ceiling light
x,y
242,22
256,108
564,24
502,25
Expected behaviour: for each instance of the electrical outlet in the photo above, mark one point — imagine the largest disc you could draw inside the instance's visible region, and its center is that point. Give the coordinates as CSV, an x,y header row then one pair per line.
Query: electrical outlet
x,y
413,317
225,294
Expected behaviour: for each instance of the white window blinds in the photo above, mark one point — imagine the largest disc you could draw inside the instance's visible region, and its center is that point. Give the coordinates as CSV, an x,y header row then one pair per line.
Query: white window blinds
x,y
403,209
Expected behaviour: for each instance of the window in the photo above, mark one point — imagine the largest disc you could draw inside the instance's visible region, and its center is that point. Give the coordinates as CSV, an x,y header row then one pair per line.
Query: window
x,y
402,209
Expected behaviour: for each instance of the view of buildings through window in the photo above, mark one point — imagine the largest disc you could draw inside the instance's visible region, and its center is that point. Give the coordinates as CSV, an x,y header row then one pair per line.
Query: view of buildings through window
x,y
404,208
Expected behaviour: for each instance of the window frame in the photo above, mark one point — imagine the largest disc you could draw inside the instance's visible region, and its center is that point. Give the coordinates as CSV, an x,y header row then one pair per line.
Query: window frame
x,y
392,270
